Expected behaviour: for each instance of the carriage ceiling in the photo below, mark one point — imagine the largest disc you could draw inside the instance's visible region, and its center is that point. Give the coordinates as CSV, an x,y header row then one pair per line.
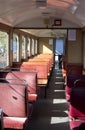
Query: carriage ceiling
x,y
30,14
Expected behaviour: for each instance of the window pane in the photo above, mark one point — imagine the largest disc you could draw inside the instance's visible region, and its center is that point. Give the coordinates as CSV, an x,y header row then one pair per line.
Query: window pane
x,y
23,47
32,46
28,48
15,48
4,40
59,46
35,46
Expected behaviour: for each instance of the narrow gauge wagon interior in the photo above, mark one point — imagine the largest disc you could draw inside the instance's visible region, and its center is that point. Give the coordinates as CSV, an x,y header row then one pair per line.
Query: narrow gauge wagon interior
x,y
42,65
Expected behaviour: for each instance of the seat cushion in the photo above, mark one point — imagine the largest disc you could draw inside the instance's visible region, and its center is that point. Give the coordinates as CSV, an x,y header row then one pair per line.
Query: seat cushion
x,y
75,124
14,122
32,97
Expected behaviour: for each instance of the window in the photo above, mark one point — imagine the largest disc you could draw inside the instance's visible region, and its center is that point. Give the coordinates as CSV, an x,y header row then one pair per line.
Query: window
x,y
15,48
35,46
59,48
32,46
23,47
28,48
4,51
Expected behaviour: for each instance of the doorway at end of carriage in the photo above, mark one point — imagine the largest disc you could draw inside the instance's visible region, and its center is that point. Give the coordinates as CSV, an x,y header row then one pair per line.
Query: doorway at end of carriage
x,y
59,51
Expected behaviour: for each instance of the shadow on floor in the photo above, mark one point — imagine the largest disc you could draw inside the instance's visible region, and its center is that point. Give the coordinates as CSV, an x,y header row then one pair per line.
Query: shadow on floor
x,y
51,113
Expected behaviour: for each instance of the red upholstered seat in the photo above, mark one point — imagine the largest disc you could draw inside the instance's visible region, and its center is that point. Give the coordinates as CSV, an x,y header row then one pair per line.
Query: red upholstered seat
x,y
80,82
12,97
75,125
30,77
74,69
71,78
42,69
32,97
15,122
77,102
14,103
77,106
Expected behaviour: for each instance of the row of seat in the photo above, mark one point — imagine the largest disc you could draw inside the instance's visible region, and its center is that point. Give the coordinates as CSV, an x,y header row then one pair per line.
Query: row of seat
x,y
19,88
77,104
30,77
75,96
70,68
42,64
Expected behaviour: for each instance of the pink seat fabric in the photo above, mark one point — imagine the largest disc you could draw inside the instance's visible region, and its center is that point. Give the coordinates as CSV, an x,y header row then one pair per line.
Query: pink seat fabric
x,y
30,77
15,122
77,102
75,125
42,69
77,106
71,78
12,99
14,103
74,69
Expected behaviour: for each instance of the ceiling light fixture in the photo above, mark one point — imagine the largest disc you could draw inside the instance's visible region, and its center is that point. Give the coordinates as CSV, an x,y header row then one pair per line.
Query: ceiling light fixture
x,y
73,8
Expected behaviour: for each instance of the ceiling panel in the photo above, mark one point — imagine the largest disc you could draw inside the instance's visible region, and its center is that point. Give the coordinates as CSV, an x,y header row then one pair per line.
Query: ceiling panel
x,y
25,13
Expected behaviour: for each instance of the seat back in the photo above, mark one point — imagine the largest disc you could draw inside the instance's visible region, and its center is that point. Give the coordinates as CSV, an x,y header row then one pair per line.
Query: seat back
x,y
23,69
30,77
77,102
74,69
71,78
80,82
41,68
13,99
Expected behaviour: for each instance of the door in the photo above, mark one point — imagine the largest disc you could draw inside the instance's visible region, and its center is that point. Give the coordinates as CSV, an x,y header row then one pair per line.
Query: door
x,y
59,51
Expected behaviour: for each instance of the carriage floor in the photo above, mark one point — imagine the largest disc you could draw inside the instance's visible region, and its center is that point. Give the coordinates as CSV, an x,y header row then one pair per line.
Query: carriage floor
x,y
51,113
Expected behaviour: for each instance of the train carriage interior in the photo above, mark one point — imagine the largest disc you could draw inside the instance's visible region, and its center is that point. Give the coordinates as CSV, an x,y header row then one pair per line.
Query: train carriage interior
x,y
42,65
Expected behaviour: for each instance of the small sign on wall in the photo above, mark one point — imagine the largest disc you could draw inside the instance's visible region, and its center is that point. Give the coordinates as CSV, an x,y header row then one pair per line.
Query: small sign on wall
x,y
71,34
57,22
50,41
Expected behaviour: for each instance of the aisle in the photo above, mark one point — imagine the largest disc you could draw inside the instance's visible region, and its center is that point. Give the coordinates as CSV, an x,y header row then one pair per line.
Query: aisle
x,y
51,113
